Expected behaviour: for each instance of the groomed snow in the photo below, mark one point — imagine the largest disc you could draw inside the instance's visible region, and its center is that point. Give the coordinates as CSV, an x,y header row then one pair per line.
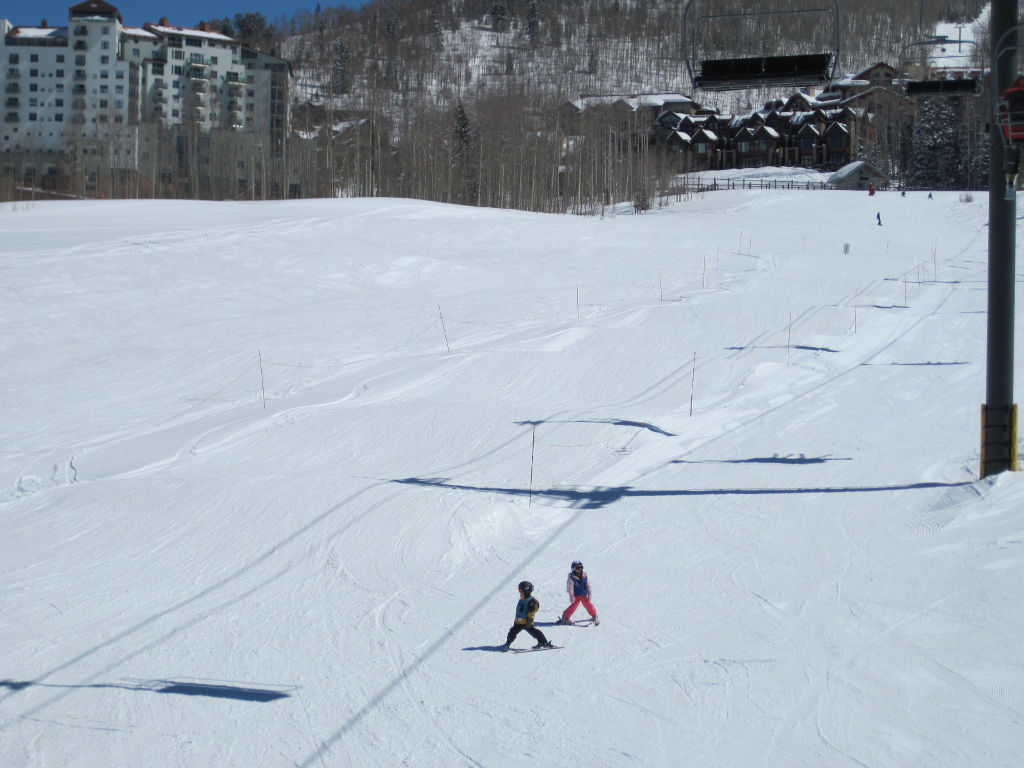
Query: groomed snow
x,y
271,472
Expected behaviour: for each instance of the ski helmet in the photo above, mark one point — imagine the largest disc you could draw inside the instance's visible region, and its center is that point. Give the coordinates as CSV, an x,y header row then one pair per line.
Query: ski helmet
x,y
525,587
576,564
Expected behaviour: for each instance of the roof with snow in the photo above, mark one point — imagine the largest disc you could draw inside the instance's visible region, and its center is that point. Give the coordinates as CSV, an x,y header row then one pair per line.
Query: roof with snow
x,y
852,169
39,33
167,30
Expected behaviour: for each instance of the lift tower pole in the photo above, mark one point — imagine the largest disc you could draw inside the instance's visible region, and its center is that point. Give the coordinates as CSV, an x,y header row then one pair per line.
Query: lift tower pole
x,y
999,413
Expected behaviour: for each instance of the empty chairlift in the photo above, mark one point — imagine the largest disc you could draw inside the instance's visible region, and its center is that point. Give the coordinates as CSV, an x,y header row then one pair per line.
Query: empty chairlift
x,y
707,27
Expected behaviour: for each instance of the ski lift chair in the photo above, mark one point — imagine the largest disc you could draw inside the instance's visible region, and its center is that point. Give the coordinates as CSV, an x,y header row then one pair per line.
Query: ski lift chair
x,y
730,74
943,86
1010,113
940,86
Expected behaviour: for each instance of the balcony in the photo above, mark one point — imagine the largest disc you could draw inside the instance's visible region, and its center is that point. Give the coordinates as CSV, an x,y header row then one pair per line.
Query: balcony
x,y
12,103
11,117
13,88
159,84
80,74
78,105
78,90
81,45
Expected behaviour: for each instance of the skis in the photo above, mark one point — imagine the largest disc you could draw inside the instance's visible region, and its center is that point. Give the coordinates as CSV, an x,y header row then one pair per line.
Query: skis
x,y
548,647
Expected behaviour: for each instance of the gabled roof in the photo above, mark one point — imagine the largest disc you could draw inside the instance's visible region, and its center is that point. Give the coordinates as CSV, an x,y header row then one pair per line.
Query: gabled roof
x,y
93,8
857,166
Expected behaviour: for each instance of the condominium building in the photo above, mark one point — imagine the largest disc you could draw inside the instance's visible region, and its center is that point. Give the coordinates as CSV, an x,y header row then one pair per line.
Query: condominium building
x,y
99,83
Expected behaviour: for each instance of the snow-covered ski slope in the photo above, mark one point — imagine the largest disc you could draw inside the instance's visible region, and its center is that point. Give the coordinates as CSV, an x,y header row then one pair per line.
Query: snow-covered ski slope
x,y
265,485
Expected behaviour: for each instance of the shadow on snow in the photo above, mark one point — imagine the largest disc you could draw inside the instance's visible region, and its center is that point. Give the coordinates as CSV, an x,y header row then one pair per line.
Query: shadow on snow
x,y
601,496
216,691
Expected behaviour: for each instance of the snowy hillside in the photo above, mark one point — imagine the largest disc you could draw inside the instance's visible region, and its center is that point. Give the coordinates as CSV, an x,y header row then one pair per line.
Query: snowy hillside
x,y
271,472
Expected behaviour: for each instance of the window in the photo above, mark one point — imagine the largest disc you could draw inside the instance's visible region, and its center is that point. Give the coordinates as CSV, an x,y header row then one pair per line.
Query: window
x,y
119,74
104,89
58,102
60,58
33,73
177,54
80,60
32,116
33,87
33,57
59,73
13,58
104,59
59,117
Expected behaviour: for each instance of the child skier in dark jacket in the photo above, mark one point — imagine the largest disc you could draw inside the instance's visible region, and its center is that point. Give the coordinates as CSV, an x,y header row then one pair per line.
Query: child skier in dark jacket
x,y
526,609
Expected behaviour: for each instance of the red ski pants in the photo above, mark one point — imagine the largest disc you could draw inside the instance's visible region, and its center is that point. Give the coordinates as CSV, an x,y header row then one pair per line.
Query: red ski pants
x,y
576,600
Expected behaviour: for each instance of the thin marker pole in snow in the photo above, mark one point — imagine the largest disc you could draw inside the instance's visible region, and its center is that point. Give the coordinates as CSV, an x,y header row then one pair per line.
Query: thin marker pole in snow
x,y
704,274
533,453
693,377
263,387
444,330
789,338
577,304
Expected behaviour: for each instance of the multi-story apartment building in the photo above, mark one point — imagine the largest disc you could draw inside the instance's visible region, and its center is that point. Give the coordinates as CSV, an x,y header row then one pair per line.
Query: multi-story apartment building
x,y
99,88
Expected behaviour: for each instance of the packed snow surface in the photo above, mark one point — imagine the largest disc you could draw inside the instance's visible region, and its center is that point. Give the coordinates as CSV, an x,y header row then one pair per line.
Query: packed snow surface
x,y
272,471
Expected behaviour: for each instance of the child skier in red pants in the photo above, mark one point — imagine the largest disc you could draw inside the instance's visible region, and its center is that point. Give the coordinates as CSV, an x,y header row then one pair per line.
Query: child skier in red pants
x,y
578,587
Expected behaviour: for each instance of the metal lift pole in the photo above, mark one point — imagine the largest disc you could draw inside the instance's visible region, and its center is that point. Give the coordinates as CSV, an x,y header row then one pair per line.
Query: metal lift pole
x,y
999,413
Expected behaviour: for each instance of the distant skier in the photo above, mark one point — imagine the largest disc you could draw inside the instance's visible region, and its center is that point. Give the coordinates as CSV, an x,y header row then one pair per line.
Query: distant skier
x,y
578,587
871,189
526,609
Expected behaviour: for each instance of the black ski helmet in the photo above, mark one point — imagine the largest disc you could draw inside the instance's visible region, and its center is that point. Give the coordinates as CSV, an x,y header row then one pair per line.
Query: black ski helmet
x,y
525,587
576,564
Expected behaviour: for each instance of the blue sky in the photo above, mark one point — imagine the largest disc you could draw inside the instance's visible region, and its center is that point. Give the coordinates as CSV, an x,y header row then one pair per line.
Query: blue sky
x,y
183,13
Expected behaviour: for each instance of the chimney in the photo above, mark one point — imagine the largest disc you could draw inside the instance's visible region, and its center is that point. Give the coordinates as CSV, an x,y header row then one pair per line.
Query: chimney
x,y
164,21
205,27
43,24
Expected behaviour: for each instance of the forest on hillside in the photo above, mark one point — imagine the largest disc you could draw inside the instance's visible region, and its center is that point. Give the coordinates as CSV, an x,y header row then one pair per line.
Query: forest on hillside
x,y
457,100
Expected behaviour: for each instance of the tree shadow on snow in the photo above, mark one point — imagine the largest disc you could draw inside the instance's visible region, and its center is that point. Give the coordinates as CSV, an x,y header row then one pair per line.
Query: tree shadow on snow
x,y
774,459
216,691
